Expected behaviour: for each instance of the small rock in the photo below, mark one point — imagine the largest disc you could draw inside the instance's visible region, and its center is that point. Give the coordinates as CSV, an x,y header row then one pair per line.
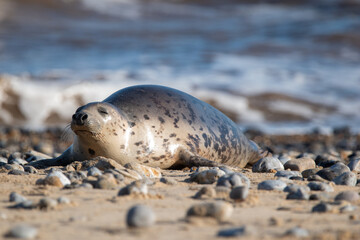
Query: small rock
x,y
320,196
297,192
300,164
236,232
30,169
18,161
76,176
205,193
3,160
140,216
309,172
233,180
266,164
332,172
222,192
354,165
63,200
24,205
136,187
15,197
56,178
47,203
284,159
320,186
117,175
221,211
52,181
239,193
316,178
347,209
272,185
94,172
13,167
322,207
168,181
347,178
295,187
22,231
287,174
297,232
349,196
208,176
106,181
296,178
17,172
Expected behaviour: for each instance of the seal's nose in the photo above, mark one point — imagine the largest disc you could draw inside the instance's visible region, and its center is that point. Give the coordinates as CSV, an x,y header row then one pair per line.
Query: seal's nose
x,y
79,118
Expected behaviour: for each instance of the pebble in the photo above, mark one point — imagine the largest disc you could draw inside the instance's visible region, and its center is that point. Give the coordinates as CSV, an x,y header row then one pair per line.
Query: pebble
x,y
323,196
76,176
136,187
47,203
117,175
222,192
18,161
236,232
168,181
349,196
297,232
287,174
63,200
13,167
239,193
30,169
221,211
347,178
205,193
272,185
347,209
25,205
297,192
106,181
300,164
208,176
309,172
15,197
354,165
332,172
295,187
93,171
322,207
3,160
56,178
140,216
320,186
316,178
266,164
284,159
233,180
17,172
22,231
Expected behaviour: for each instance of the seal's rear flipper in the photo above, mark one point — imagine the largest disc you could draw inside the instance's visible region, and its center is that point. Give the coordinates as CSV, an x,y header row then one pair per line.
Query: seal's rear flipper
x,y
191,160
62,160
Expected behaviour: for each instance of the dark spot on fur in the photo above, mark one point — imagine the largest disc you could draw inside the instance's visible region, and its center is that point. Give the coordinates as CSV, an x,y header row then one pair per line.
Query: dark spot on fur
x,y
139,143
176,120
132,133
115,134
167,101
178,139
132,124
147,161
165,140
146,117
161,120
169,94
91,151
172,135
122,146
149,105
138,152
153,126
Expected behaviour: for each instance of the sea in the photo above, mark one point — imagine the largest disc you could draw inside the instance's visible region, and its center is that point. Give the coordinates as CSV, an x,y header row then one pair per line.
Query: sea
x,y
282,67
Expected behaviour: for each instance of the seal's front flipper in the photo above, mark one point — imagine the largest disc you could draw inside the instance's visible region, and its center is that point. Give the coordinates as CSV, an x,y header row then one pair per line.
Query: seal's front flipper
x,y
191,160
62,160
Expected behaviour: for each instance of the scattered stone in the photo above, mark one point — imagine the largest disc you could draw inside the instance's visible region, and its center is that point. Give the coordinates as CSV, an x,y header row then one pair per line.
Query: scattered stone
x,y
273,221
316,178
236,232
222,192
13,167
233,180
3,161
349,196
30,169
205,193
283,159
77,176
18,161
117,175
272,185
140,216
221,211
295,187
266,164
136,187
47,203
347,178
287,174
332,172
320,186
322,207
56,178
17,172
24,205
319,196
63,200
296,178
15,197
309,172
297,232
297,192
94,172
106,181
300,164
22,231
347,209
144,171
354,165
168,181
208,176
239,193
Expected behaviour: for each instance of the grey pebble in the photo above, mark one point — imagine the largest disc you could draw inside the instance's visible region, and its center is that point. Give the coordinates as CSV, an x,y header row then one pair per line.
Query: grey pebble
x,y
140,216
332,172
322,196
168,181
309,172
24,205
354,165
117,175
106,181
287,174
297,232
76,176
47,203
219,210
207,176
284,159
233,180
139,186
236,232
30,169
63,200
316,178
347,178
297,192
94,171
349,196
239,193
272,185
58,173
23,231
18,161
347,209
3,160
15,197
322,207
320,186
205,192
295,187
13,167
266,164
17,172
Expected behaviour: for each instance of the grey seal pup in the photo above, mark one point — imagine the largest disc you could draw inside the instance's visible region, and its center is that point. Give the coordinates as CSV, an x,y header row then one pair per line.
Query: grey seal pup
x,y
156,126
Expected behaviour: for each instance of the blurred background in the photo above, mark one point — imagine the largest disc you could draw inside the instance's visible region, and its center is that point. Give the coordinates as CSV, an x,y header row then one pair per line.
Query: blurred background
x,y
279,66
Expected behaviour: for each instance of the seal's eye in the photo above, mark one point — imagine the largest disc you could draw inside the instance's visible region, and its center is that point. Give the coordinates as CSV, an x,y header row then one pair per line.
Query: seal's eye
x,y
103,111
